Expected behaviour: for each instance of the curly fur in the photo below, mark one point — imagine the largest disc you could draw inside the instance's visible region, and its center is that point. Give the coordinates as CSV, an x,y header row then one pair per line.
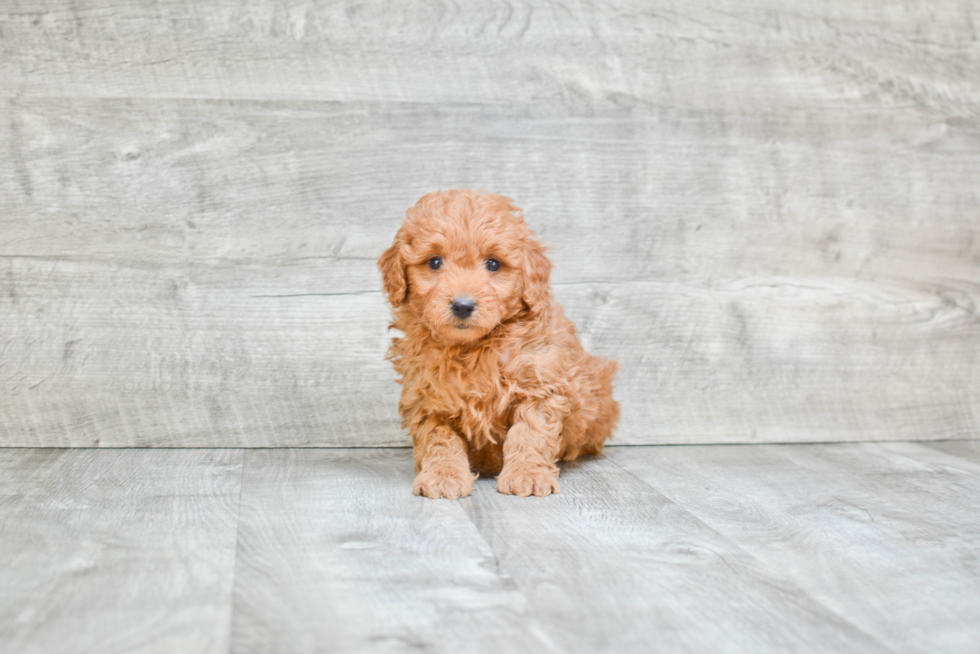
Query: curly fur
x,y
507,392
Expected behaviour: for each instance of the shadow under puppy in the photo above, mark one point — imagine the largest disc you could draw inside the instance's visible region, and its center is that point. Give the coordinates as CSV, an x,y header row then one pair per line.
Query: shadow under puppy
x,y
494,379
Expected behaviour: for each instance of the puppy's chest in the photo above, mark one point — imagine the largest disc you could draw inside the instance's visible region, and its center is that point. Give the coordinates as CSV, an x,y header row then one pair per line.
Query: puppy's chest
x,y
479,390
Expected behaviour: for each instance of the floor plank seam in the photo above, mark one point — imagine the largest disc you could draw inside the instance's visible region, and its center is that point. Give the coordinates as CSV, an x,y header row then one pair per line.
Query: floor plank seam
x,y
761,564
468,505
234,563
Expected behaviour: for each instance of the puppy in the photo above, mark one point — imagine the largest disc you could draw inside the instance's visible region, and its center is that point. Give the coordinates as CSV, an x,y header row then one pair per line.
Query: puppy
x,y
494,379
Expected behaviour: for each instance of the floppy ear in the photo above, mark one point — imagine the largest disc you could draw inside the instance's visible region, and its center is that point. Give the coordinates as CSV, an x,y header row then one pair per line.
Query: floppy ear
x,y
394,281
537,271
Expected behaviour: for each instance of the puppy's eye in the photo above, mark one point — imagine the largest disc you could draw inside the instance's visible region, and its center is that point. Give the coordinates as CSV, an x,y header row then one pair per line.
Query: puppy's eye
x,y
435,263
493,265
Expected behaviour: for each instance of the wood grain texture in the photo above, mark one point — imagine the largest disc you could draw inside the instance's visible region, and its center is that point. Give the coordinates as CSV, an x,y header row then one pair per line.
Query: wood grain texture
x,y
767,213
319,189
952,457
117,551
763,55
157,357
880,527
610,564
807,548
335,554
969,450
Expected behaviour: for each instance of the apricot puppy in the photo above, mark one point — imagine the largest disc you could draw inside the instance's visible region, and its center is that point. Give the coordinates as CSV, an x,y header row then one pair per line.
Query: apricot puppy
x,y
494,379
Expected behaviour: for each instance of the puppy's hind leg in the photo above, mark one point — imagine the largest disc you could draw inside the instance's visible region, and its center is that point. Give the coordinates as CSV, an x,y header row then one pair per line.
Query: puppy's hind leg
x,y
441,462
607,409
531,449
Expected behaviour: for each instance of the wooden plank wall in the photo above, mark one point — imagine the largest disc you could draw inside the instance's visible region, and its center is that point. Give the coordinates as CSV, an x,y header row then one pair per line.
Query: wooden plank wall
x,y
769,212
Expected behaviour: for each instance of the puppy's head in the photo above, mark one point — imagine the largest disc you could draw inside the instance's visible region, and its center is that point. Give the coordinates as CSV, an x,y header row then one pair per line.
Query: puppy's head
x,y
464,262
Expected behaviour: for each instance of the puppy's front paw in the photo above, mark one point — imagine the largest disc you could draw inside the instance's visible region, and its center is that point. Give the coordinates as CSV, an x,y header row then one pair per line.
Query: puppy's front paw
x,y
528,480
451,484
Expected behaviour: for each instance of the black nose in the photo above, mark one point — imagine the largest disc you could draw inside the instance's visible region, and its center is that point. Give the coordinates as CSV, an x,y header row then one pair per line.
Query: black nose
x,y
463,307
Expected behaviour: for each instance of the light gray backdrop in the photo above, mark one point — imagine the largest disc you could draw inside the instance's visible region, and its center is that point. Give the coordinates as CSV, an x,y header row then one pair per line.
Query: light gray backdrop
x,y
768,211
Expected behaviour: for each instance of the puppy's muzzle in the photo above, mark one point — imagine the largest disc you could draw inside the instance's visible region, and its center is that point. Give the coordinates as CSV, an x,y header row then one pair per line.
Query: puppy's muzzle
x,y
463,307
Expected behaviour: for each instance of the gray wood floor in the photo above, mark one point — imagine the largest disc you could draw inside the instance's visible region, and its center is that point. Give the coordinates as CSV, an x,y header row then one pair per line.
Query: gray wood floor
x,y
859,547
